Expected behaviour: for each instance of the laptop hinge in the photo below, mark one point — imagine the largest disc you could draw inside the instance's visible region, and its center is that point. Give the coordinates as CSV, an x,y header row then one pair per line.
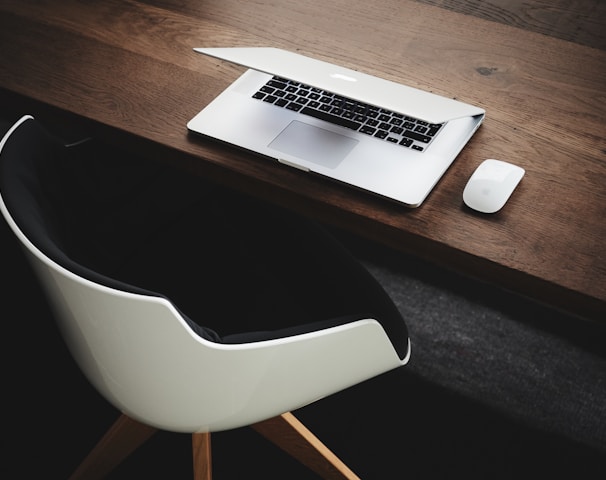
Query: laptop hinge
x,y
293,164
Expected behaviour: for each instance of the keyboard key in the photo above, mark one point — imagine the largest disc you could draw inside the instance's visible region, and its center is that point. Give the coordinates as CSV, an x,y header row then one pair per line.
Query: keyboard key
x,y
417,136
344,122
433,129
277,84
294,106
368,130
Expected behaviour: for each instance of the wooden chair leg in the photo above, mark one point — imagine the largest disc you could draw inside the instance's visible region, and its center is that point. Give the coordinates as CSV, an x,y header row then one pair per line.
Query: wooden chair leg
x,y
202,456
123,438
293,437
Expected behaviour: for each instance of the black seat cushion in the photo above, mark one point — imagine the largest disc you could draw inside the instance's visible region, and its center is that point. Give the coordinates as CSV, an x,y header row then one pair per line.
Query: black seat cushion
x,y
243,269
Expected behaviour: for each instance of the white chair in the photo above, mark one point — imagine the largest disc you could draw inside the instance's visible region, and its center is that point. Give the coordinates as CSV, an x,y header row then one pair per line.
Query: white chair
x,y
161,369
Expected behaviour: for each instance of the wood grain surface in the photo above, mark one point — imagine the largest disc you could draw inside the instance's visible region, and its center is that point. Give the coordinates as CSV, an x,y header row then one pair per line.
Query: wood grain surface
x,y
125,71
578,21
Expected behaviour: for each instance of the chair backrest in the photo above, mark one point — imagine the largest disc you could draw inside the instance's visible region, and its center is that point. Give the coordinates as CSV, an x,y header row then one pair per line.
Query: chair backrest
x,y
143,355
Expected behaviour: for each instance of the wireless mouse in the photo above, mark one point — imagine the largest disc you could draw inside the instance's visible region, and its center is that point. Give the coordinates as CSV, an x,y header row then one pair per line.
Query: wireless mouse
x,y
491,185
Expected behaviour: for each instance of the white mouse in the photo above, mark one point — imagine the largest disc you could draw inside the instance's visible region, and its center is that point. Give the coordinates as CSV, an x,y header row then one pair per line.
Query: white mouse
x,y
491,185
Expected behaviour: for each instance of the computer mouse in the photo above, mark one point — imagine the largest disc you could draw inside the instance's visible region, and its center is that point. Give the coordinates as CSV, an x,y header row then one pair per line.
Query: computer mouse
x,y
491,185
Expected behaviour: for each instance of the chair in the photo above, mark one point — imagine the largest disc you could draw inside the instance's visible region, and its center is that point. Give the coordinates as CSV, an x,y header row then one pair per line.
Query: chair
x,y
166,365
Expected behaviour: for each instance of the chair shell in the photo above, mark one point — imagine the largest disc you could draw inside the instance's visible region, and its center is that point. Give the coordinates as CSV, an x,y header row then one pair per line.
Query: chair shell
x,y
142,356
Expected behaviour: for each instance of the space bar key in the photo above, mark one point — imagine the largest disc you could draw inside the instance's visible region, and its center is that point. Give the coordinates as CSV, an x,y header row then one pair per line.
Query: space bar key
x,y
344,122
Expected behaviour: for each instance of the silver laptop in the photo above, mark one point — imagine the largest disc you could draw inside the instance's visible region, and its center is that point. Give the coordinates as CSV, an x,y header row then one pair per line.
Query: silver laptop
x,y
379,136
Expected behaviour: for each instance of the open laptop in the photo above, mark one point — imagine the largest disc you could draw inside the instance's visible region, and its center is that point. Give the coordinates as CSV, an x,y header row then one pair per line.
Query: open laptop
x,y
374,134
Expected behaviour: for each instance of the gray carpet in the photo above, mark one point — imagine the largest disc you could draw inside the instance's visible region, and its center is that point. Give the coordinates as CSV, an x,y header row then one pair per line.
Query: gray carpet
x,y
531,363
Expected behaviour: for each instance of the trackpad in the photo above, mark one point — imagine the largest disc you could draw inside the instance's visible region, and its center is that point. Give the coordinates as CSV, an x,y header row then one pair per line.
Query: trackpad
x,y
313,144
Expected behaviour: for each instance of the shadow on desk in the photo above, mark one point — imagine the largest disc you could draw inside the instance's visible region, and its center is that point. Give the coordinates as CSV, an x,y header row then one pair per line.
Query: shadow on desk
x,y
498,387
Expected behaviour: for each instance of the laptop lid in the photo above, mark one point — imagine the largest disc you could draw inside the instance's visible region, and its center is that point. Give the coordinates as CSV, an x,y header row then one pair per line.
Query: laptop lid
x,y
344,81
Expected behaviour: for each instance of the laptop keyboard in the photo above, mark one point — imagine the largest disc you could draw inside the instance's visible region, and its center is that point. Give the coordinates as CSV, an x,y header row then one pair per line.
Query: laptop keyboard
x,y
377,122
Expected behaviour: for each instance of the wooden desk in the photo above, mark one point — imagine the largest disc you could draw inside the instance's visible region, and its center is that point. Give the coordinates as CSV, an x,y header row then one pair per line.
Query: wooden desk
x,y
125,70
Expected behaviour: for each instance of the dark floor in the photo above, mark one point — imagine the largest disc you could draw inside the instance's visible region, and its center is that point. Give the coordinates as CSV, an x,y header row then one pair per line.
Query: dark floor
x,y
406,422
497,387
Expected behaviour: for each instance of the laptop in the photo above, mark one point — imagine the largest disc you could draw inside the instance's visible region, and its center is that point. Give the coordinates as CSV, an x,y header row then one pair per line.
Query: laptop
x,y
373,134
